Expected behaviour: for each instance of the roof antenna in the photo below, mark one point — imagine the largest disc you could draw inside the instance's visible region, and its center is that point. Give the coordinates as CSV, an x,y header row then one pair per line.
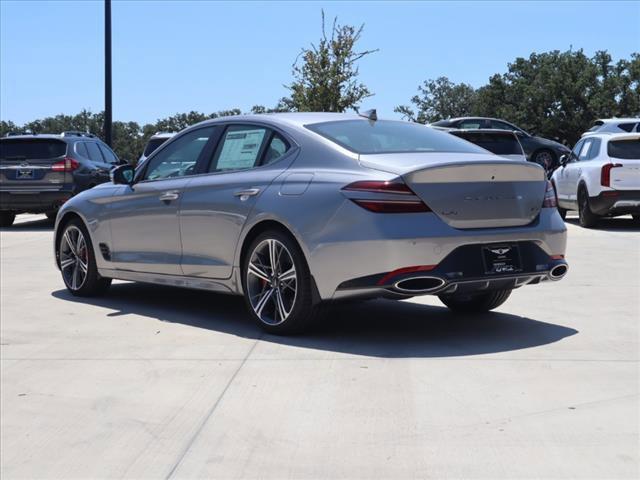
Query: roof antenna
x,y
370,114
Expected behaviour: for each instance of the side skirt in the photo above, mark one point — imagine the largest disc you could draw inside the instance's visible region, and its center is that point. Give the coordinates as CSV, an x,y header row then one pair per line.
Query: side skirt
x,y
221,286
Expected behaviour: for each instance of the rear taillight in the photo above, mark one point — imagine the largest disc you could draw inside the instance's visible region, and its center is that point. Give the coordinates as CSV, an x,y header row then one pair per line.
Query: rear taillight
x,y
550,200
605,174
66,165
410,204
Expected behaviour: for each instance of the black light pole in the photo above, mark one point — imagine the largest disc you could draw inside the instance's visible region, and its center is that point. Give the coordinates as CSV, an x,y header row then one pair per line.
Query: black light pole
x,y
107,72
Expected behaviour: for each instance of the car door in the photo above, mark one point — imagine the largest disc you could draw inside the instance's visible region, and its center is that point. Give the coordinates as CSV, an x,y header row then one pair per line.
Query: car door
x,y
574,169
216,204
145,228
562,175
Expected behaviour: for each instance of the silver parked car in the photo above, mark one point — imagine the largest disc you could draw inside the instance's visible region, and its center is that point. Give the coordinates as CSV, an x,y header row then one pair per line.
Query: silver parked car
x,y
295,210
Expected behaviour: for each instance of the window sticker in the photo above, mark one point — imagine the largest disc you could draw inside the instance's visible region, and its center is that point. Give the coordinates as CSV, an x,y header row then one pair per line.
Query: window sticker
x,y
240,149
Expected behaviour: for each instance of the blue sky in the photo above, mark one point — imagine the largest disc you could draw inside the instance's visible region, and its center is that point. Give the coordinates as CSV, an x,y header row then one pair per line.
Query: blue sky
x,y
176,56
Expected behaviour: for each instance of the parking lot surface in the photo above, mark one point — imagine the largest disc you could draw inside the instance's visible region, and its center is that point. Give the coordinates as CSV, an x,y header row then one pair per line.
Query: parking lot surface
x,y
153,382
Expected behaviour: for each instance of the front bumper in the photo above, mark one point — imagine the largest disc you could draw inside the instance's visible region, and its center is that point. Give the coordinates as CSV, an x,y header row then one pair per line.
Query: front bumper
x,y
33,200
616,202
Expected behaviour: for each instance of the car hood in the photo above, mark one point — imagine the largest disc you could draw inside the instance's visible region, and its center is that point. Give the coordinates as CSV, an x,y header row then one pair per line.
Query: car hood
x,y
550,143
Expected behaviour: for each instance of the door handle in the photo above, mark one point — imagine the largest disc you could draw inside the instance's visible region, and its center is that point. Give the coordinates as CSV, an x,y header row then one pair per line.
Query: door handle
x,y
245,194
169,196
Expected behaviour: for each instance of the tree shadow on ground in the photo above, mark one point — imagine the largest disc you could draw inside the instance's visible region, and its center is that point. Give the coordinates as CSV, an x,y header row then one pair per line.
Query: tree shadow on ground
x,y
378,328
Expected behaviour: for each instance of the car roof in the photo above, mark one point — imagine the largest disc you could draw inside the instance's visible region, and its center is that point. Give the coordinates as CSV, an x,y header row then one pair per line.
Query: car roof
x,y
481,130
50,136
616,120
613,135
481,118
296,119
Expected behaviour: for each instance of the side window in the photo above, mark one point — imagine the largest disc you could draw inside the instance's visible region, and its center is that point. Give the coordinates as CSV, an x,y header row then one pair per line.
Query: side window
x,y
497,125
94,152
584,151
594,151
277,147
471,124
109,156
239,149
576,150
81,149
179,158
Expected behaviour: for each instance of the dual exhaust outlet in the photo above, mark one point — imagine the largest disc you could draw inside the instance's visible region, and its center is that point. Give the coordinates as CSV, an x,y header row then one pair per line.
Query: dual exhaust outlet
x,y
429,284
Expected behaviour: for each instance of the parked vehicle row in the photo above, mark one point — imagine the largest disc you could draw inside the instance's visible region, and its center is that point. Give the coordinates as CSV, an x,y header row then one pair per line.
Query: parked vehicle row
x,y
542,151
295,210
38,173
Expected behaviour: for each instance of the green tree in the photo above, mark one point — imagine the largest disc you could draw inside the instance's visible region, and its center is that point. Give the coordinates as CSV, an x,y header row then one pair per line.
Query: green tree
x,y
439,99
325,76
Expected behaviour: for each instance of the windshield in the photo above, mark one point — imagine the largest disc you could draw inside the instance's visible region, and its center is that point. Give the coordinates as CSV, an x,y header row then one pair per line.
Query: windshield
x,y
625,149
153,144
498,143
387,136
31,148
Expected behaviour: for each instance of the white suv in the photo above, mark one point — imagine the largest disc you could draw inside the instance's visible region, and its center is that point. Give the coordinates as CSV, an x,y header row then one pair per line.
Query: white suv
x,y
601,177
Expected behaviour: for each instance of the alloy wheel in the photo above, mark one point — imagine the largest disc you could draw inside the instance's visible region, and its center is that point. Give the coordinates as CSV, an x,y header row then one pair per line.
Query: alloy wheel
x,y
272,281
74,258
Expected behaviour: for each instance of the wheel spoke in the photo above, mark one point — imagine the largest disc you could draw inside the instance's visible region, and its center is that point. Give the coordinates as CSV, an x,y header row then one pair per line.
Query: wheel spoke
x,y
67,262
79,243
280,306
256,271
83,267
263,301
74,279
69,242
272,255
288,275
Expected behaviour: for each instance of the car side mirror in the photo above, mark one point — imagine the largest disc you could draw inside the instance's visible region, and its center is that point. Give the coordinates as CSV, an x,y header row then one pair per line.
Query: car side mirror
x,y
564,159
123,162
123,175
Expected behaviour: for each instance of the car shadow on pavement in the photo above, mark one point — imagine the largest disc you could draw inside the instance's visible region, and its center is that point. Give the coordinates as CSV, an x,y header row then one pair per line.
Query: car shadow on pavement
x,y
40,225
377,328
611,224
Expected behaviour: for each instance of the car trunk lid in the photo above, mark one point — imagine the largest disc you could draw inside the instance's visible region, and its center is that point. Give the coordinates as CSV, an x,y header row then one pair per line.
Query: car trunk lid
x,y
470,191
27,162
625,156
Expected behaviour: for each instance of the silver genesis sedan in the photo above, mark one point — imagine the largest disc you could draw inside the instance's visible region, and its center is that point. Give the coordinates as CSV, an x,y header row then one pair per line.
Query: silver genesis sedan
x,y
296,210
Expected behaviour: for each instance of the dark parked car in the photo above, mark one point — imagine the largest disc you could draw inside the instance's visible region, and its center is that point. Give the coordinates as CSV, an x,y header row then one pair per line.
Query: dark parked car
x,y
38,173
540,150
501,142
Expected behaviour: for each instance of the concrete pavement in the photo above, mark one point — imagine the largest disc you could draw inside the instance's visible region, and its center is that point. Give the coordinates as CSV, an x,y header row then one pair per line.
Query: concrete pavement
x,y
153,382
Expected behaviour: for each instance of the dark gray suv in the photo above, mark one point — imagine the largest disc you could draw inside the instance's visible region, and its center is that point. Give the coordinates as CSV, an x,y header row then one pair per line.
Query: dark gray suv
x,y
38,173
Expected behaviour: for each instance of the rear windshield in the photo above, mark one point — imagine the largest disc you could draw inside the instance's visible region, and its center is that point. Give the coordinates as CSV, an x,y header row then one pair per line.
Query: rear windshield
x,y
387,136
625,149
32,148
498,143
153,144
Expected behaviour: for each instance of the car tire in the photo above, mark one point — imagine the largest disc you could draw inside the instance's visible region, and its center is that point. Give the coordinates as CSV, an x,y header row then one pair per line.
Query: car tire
x,y
475,302
77,261
277,284
546,159
7,218
587,218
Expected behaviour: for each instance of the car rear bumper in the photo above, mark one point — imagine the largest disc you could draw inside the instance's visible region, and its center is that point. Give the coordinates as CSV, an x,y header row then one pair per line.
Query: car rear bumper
x,y
381,244
33,200
616,202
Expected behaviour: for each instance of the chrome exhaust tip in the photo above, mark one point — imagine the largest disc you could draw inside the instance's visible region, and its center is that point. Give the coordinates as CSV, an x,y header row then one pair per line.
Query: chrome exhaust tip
x,y
417,285
558,271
